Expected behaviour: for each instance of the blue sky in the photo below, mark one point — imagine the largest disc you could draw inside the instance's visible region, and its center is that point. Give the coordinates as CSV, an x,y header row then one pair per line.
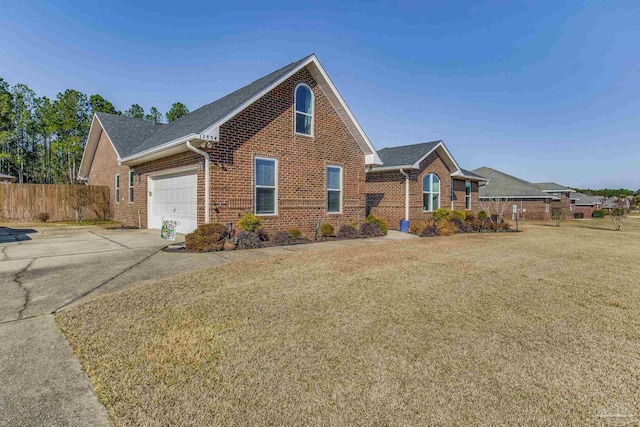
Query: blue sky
x,y
544,90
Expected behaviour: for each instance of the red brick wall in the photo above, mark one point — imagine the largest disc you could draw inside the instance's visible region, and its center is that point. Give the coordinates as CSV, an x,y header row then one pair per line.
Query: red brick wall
x,y
586,210
386,192
528,209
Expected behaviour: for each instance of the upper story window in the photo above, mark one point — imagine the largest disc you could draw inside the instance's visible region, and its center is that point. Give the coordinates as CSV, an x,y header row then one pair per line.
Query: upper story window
x,y
304,110
467,195
430,192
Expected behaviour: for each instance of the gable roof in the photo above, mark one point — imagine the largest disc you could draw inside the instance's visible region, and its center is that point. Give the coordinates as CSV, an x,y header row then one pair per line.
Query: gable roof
x,y
551,187
586,200
502,185
137,141
406,155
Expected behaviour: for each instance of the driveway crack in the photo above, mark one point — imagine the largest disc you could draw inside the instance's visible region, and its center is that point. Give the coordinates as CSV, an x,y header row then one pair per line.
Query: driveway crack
x,y
111,240
18,281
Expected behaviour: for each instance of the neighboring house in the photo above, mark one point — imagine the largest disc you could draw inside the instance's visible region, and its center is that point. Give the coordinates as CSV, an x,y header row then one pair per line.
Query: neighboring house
x,y
585,204
414,180
515,196
560,191
6,179
285,147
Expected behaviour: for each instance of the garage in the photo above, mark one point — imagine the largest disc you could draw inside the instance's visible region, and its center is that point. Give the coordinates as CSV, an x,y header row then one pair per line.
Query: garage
x,y
175,197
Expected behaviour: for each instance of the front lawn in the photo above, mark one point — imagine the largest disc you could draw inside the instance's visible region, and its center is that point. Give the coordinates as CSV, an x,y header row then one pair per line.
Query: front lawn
x,y
534,328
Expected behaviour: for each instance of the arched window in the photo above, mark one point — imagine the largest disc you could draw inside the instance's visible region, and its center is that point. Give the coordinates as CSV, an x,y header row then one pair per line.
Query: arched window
x,y
304,110
430,192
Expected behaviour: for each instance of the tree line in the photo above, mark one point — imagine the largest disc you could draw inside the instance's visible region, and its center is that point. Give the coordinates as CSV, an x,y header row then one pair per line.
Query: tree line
x,y
42,139
609,192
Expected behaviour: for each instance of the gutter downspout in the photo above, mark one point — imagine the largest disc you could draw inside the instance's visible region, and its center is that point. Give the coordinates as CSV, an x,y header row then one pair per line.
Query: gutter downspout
x,y
207,177
406,194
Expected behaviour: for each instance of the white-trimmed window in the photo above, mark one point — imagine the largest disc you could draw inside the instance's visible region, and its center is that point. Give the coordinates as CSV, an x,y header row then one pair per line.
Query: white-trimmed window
x,y
304,110
265,178
130,185
117,192
467,195
334,189
547,207
430,192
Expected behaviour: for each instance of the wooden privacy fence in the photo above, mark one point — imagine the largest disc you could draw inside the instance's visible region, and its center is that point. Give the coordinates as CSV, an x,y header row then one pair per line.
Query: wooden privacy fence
x,y
24,202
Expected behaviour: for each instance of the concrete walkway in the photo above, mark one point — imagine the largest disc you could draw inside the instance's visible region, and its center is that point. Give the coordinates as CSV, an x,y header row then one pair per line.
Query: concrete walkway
x,y
45,270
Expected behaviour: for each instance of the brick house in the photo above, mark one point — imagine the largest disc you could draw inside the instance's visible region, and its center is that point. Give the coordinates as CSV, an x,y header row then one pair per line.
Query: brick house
x,y
560,191
519,198
585,204
414,180
285,147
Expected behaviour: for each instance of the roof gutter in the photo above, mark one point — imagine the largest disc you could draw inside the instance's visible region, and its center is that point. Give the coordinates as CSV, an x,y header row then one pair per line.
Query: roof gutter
x,y
207,178
406,194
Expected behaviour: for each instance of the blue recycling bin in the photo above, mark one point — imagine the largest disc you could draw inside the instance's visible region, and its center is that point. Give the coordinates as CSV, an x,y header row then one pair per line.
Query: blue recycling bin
x,y
404,225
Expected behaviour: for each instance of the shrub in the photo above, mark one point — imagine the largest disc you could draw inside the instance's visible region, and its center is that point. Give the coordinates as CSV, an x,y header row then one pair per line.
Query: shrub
x,y
248,240
446,227
504,225
416,227
476,224
249,222
440,213
263,235
206,238
461,215
326,229
283,238
369,229
461,226
295,233
430,231
348,232
43,216
470,217
382,224
618,216
598,213
482,215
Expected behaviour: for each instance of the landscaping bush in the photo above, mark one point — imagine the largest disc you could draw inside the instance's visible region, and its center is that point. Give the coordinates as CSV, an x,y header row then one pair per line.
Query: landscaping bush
x,y
382,224
446,227
326,229
504,225
599,213
430,231
249,222
482,215
476,224
295,233
461,226
43,216
441,213
369,229
469,216
461,215
263,235
206,238
348,232
283,238
416,227
248,240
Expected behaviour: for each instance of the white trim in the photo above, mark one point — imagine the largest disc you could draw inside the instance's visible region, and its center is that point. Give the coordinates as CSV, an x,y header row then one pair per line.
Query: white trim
x,y
173,171
431,192
406,194
207,178
116,185
94,146
275,187
165,146
519,197
327,189
296,112
130,187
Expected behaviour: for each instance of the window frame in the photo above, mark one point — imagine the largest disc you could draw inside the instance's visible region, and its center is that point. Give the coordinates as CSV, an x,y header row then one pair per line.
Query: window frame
x,y
274,187
117,187
467,197
131,177
430,207
547,207
296,112
327,189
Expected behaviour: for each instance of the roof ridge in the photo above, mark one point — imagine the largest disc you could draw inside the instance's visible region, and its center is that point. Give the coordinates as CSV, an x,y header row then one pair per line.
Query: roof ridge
x,y
410,145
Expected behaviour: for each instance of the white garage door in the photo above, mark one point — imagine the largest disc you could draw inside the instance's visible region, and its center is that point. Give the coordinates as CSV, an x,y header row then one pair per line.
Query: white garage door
x,y
173,197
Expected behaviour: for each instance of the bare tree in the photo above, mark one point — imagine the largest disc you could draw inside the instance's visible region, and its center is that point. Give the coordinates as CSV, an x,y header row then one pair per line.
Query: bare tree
x,y
78,197
495,207
558,212
619,213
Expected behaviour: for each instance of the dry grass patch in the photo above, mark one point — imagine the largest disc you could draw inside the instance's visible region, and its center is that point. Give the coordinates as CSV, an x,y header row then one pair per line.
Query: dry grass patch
x,y
533,328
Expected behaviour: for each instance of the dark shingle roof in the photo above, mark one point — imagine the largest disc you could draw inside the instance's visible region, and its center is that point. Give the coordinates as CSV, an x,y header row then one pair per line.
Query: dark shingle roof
x,y
405,155
586,200
200,119
127,134
550,186
471,174
505,185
